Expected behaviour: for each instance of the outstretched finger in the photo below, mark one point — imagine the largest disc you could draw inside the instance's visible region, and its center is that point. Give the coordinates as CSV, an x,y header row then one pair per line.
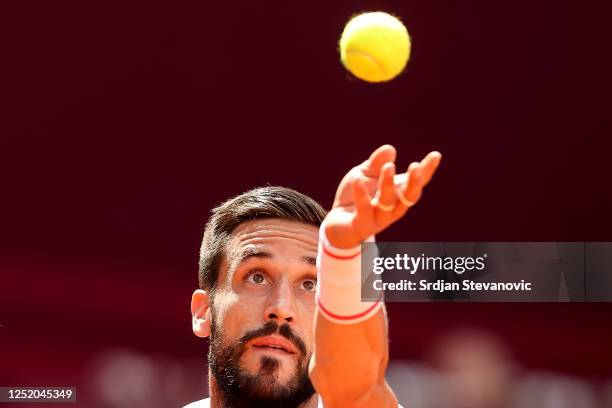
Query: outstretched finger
x,y
429,166
386,198
410,193
361,198
384,154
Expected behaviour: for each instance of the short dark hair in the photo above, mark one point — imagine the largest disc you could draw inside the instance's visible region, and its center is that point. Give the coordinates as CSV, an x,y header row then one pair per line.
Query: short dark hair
x,y
259,203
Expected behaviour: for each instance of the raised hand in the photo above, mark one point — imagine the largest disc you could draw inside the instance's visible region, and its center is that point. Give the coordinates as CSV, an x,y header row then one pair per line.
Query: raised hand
x,y
371,196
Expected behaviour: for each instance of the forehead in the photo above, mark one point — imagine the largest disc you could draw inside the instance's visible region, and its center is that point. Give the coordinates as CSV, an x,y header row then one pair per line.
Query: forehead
x,y
274,234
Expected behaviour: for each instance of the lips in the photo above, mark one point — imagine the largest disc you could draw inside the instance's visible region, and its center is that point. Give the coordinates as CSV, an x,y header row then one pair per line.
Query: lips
x,y
275,342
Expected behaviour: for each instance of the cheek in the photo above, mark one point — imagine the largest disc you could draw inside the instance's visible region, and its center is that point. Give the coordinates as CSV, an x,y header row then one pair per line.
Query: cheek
x,y
306,331
237,315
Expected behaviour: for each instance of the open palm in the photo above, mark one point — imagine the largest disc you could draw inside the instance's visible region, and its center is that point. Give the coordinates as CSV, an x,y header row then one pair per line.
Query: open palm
x,y
371,196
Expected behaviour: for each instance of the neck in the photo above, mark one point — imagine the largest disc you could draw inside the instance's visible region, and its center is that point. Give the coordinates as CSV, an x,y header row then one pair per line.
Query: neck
x,y
217,398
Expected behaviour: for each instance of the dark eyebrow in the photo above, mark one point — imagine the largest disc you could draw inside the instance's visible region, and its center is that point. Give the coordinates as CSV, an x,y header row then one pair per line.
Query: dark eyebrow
x,y
252,253
311,260
249,253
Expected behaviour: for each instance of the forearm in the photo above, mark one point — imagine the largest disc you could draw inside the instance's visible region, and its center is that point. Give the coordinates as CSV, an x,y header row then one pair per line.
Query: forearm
x,y
351,344
350,361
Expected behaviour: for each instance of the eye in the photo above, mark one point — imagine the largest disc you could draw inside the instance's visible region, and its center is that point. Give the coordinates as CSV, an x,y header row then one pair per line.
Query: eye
x,y
258,278
309,284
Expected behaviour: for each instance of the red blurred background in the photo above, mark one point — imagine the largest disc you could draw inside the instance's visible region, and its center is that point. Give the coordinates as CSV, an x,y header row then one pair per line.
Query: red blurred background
x,y
124,122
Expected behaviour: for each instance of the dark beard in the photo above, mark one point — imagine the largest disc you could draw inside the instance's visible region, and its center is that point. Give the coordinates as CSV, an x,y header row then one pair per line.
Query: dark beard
x,y
239,389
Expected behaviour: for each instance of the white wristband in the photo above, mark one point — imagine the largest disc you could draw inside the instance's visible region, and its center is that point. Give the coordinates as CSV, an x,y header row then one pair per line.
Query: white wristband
x,y
339,283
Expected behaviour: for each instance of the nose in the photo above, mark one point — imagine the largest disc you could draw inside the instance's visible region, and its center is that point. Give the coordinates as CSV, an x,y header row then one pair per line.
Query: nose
x,y
281,304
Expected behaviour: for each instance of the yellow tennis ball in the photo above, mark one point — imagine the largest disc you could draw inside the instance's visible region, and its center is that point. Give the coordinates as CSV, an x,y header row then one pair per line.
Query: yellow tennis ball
x,y
375,46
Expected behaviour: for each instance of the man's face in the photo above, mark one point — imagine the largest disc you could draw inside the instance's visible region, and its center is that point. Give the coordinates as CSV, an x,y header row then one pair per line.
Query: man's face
x,y
262,311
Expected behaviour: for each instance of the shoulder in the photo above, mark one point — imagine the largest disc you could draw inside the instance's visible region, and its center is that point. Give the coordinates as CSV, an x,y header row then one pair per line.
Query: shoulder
x,y
320,405
205,403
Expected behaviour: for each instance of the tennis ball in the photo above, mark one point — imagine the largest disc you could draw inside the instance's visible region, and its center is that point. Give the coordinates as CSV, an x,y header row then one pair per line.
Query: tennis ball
x,y
375,46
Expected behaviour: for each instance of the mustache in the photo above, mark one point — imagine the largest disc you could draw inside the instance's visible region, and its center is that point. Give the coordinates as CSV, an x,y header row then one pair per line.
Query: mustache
x,y
270,328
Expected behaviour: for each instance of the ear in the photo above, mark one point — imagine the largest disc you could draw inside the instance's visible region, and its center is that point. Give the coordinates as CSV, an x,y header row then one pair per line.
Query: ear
x,y
200,313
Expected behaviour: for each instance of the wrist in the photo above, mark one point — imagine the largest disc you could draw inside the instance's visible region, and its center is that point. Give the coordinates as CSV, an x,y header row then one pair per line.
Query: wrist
x,y
348,250
340,240
340,281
